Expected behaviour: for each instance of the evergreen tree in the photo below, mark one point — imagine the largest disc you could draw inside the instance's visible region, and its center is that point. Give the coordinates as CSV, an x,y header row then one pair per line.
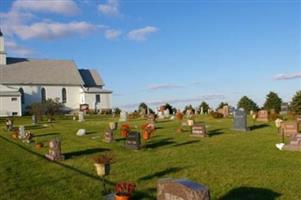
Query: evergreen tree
x,y
273,101
221,105
247,104
205,107
296,103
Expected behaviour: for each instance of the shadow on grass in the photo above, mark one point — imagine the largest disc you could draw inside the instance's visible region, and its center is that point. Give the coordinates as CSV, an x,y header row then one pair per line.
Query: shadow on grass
x,y
145,194
250,193
259,126
90,132
58,163
159,143
160,174
119,139
84,152
215,132
46,134
34,127
186,143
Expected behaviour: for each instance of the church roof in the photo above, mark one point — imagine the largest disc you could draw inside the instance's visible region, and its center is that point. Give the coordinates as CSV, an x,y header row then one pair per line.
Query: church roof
x,y
91,78
44,72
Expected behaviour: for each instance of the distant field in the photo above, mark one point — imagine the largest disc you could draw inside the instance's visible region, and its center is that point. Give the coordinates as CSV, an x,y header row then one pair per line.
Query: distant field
x,y
234,165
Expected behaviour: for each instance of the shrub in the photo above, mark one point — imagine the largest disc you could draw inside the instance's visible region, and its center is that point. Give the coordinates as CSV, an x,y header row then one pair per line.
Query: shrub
x,y
106,111
296,103
216,115
273,102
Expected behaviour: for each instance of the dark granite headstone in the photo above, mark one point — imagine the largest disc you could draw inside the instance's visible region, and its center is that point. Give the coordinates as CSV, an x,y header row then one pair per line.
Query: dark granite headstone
x,y
240,120
133,140
199,130
181,189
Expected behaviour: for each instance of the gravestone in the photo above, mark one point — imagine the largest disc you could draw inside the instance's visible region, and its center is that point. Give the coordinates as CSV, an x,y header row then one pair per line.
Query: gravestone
x,y
199,130
289,128
284,108
226,111
263,116
81,116
240,120
21,132
181,189
294,143
113,125
133,140
160,115
81,132
54,152
166,113
123,116
33,120
108,136
202,110
298,119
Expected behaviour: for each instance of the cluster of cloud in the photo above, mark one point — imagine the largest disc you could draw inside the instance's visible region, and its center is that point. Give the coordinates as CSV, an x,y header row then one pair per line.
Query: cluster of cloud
x,y
287,76
23,22
111,8
17,49
164,86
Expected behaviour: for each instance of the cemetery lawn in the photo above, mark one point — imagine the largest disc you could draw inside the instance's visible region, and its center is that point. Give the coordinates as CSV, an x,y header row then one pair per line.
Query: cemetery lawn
x,y
234,165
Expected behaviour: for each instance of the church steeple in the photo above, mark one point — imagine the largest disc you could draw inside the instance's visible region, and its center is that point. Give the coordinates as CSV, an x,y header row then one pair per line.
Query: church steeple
x,y
2,50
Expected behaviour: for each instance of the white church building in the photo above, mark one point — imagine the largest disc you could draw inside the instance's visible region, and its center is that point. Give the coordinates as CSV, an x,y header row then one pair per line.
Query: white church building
x,y
25,81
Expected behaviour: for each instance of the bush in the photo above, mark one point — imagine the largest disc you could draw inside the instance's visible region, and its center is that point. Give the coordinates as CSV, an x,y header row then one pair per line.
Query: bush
x,y
216,115
106,111
273,102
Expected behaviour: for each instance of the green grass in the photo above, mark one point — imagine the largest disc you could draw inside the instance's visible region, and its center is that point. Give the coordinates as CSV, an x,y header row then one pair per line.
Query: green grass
x,y
235,165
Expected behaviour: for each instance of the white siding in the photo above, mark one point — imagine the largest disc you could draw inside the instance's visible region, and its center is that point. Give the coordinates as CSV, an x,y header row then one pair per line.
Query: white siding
x,y
33,94
105,101
8,107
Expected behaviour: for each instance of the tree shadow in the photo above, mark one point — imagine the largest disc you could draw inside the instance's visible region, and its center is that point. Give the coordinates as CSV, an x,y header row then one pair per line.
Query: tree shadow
x,y
250,193
120,139
90,132
259,126
34,127
59,163
46,134
215,132
160,174
145,194
186,143
159,143
84,152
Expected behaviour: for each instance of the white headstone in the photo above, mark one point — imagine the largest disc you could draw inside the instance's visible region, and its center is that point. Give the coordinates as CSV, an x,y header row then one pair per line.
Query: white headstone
x,y
160,115
166,113
123,116
21,132
202,110
81,116
81,132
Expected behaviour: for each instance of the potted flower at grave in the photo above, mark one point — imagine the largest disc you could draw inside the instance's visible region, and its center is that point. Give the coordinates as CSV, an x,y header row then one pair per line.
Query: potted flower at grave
x,y
124,191
15,135
148,129
102,164
38,145
124,130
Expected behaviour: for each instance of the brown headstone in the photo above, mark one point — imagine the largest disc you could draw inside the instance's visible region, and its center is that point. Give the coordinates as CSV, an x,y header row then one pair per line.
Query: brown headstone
x,y
199,130
181,189
289,128
54,152
294,143
263,116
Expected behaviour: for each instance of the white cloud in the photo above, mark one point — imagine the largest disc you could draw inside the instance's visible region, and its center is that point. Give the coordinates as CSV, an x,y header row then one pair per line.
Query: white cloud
x,y
142,33
112,34
111,8
65,7
287,76
52,30
163,86
17,49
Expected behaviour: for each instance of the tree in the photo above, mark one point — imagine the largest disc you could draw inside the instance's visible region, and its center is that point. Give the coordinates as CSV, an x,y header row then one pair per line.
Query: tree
x,y
222,104
296,103
273,101
169,107
52,107
37,109
205,107
188,107
247,104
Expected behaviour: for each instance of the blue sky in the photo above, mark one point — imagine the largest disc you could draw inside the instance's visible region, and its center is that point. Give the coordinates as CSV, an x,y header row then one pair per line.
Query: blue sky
x,y
180,52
